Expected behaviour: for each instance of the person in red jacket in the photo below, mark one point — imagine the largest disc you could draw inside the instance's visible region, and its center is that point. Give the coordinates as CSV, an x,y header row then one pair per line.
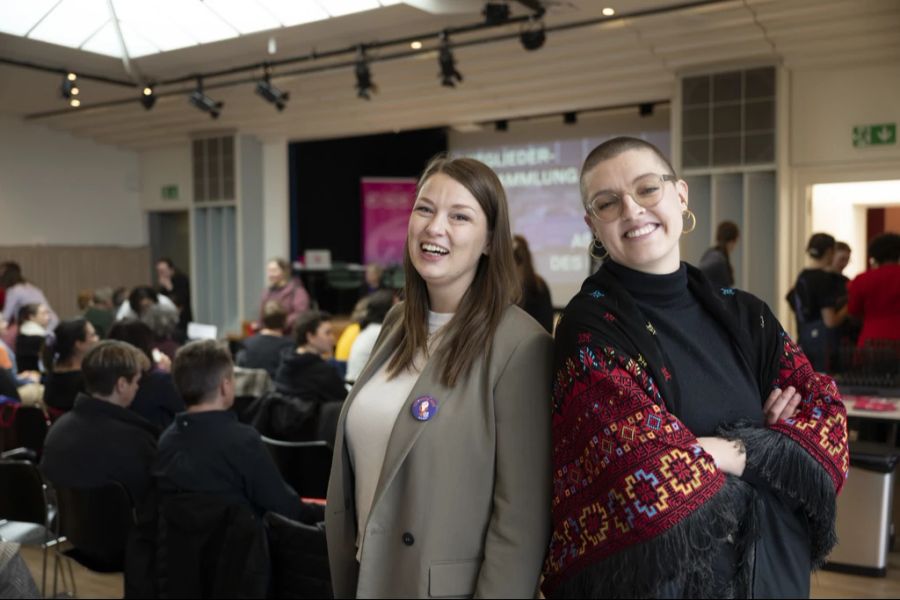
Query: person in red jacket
x,y
875,294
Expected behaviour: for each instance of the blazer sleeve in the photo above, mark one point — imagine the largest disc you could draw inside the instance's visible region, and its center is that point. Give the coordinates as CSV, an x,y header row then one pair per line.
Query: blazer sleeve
x,y
519,527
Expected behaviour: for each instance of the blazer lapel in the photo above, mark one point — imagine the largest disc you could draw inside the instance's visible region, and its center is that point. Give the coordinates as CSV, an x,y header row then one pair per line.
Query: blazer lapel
x,y
407,429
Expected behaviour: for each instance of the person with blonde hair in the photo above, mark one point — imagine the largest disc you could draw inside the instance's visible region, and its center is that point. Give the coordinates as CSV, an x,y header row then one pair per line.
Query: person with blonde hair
x,y
440,484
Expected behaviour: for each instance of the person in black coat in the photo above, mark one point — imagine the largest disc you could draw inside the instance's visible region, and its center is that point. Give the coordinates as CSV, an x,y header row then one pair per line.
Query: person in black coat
x,y
100,441
157,399
176,285
303,372
206,450
263,350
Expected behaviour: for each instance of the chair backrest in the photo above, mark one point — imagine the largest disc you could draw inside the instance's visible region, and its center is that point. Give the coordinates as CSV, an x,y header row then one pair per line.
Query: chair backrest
x,y
97,522
22,492
306,466
31,428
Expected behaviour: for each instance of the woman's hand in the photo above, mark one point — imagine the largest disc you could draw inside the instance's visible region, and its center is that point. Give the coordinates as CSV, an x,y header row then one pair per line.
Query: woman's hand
x,y
730,455
781,404
162,362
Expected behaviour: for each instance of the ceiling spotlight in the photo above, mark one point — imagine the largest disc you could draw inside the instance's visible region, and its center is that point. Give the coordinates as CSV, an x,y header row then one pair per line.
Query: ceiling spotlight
x,y
416,45
449,75
501,125
533,36
271,93
645,109
570,118
74,102
204,102
364,83
69,88
608,12
148,98
495,13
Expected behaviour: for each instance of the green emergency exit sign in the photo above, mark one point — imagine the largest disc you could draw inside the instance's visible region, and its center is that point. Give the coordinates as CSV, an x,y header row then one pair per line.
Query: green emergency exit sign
x,y
883,134
169,192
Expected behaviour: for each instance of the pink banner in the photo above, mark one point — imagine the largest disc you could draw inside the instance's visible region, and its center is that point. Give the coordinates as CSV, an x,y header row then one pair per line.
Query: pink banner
x,y
386,205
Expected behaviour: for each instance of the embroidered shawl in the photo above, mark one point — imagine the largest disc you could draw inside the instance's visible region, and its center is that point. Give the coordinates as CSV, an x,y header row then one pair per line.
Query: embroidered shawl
x,y
636,501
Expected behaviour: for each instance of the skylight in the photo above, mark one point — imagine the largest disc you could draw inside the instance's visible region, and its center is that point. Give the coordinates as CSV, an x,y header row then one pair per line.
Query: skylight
x,y
162,25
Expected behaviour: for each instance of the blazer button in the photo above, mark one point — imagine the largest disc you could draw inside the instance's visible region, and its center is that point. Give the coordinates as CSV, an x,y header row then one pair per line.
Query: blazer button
x,y
408,539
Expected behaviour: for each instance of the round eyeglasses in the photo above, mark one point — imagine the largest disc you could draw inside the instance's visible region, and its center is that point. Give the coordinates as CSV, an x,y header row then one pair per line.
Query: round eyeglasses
x,y
647,191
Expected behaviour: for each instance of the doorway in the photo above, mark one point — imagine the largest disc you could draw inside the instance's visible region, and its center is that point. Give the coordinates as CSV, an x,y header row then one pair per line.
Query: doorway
x,y
170,237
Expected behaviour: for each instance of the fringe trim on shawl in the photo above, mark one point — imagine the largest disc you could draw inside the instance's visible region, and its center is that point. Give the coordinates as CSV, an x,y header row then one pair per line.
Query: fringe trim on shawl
x,y
793,473
684,555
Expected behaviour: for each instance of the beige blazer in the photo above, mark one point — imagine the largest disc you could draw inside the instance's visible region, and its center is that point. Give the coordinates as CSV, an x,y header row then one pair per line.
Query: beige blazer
x,y
462,505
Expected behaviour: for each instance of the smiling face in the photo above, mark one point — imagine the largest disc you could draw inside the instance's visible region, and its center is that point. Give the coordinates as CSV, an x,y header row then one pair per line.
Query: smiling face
x,y
643,239
448,234
274,274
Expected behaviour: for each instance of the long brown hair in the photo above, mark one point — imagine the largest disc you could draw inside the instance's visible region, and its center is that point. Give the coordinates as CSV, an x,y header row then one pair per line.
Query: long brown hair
x,y
529,281
470,332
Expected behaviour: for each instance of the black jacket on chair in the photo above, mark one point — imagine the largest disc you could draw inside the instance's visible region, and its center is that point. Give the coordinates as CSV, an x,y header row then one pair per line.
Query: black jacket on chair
x,y
198,546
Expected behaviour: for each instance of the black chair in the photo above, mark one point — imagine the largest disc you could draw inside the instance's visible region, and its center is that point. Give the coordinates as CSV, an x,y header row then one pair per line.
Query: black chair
x,y
30,427
28,351
299,557
25,513
305,466
96,522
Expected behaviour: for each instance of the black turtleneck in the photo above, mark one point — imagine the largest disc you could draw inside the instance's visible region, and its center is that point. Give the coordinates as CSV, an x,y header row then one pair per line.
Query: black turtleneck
x,y
715,383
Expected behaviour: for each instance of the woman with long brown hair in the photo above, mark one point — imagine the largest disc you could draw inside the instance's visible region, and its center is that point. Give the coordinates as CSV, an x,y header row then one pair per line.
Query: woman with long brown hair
x,y
535,298
440,484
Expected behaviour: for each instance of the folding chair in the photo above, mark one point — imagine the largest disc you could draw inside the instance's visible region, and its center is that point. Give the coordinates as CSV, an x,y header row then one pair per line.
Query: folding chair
x,y
25,513
305,466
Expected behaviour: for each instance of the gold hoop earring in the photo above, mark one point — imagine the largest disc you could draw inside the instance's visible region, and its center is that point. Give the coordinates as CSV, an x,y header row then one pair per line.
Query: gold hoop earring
x,y
596,244
693,218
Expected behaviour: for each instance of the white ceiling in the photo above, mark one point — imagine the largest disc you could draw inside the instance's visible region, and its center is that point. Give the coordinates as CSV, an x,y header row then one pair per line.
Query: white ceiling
x,y
622,61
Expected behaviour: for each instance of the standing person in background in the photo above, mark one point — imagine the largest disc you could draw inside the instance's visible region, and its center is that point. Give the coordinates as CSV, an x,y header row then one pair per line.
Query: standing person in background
x,y
535,294
173,283
696,452
286,290
819,303
20,292
440,484
716,262
373,276
840,260
875,294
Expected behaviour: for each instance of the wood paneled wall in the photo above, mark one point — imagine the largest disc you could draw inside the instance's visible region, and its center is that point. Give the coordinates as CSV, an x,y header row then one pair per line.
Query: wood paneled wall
x,y
61,271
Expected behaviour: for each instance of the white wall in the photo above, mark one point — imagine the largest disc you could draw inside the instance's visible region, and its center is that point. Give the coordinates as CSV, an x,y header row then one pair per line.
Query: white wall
x,y
60,190
827,103
164,167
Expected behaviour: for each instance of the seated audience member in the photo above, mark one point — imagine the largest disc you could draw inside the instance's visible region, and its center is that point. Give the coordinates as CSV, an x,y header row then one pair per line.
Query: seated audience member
x,y
164,325
263,350
33,320
348,336
100,441
206,450
101,312
139,302
9,361
20,292
74,339
285,289
379,304
303,372
157,399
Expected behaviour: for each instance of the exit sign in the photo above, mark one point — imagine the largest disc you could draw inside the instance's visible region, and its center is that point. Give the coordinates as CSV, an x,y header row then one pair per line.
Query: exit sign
x,y
169,192
883,134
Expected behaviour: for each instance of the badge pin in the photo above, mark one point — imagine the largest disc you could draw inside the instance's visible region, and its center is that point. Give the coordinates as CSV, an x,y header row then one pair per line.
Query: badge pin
x,y
424,407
